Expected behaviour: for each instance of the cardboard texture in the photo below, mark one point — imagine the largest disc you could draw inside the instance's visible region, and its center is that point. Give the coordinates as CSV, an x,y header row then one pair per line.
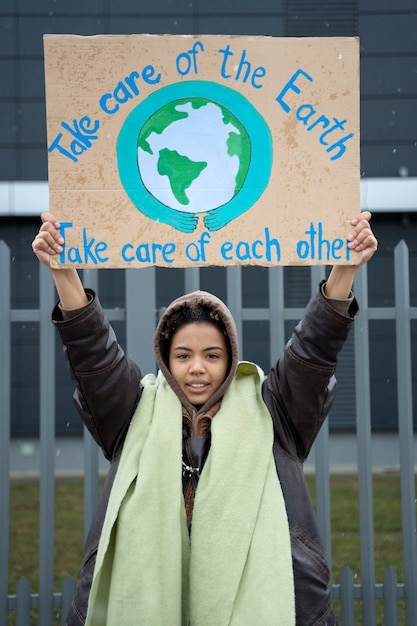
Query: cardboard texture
x,y
182,151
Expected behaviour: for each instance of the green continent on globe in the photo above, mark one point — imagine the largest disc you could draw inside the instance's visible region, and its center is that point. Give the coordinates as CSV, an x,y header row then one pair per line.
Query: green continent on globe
x,y
238,145
180,170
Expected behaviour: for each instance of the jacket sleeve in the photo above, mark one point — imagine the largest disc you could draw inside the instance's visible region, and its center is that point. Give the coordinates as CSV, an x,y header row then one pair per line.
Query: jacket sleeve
x,y
300,388
107,383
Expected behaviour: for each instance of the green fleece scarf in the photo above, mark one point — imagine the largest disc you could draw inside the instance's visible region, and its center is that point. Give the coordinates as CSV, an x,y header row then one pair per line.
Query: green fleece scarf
x,y
237,568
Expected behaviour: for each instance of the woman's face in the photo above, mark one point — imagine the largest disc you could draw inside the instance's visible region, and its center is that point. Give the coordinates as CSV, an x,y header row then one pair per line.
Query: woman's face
x,y
198,360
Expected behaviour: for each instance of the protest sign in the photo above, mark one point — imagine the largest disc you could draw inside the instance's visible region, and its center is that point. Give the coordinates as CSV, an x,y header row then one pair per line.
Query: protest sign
x,y
182,151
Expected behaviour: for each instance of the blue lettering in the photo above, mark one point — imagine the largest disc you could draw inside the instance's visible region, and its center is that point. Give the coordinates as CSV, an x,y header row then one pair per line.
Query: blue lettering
x,y
339,144
55,145
302,249
255,245
247,251
190,59
196,251
103,104
101,247
126,89
124,253
243,68
192,252
122,93
84,131
148,253
131,82
242,251
269,243
148,74
243,63
317,246
62,229
88,248
337,244
291,85
168,250
225,249
305,112
226,54
74,255
89,252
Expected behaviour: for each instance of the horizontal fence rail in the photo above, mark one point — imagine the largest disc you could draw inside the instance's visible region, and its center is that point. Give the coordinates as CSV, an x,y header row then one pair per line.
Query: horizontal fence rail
x,y
140,313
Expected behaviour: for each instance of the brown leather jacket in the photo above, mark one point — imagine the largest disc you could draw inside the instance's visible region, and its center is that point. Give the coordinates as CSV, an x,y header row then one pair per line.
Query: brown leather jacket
x,y
298,391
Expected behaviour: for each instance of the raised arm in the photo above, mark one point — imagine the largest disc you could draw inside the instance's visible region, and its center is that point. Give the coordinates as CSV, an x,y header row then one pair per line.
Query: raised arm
x,y
107,383
301,386
48,243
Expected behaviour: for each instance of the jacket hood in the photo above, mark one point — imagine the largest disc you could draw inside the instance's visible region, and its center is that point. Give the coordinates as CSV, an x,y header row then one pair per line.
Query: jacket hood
x,y
219,315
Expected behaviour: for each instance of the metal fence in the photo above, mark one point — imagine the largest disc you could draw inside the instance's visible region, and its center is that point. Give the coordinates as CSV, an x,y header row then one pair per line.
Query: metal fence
x,y
139,312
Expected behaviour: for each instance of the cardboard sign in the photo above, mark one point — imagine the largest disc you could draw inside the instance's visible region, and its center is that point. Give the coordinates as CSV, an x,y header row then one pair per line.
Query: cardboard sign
x,y
184,151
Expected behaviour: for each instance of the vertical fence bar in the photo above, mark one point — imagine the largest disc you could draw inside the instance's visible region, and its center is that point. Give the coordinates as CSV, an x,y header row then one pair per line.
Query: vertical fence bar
x,y
363,431
322,461
276,312
405,426
5,383
390,598
234,298
192,279
67,591
47,448
91,450
140,316
347,598
23,593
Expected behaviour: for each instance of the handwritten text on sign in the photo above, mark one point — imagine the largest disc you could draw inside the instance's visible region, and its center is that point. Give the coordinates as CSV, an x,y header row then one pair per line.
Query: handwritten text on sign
x,y
215,150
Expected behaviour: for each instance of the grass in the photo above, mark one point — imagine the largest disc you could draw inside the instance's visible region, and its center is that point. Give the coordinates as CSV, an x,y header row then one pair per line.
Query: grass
x,y
345,524
69,529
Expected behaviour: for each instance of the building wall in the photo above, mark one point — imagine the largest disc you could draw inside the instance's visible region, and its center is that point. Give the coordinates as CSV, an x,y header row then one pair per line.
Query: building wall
x,y
388,38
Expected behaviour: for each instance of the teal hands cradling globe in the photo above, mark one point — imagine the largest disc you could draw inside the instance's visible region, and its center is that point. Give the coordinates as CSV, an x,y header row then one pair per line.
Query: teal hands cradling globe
x,y
193,155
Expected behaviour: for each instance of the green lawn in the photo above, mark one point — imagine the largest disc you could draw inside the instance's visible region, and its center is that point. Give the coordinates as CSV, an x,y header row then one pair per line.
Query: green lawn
x,y
24,528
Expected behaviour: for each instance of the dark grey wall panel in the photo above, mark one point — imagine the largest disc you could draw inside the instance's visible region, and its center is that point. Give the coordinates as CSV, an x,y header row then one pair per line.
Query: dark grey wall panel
x,y
389,119
391,33
33,163
380,160
50,8
156,7
241,7
152,24
392,76
8,129
387,30
32,29
8,79
241,25
31,78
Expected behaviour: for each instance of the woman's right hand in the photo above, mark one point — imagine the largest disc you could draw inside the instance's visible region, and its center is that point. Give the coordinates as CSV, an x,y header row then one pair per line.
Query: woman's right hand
x,y
48,242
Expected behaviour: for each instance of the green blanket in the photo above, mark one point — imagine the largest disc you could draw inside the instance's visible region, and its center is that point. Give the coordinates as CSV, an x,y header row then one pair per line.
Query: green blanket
x,y
237,567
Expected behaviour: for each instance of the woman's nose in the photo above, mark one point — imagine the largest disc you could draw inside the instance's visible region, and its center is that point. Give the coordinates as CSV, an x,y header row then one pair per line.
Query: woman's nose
x,y
197,366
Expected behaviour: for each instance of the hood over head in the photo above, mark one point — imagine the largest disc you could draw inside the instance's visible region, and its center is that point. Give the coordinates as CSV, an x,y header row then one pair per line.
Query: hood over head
x,y
198,306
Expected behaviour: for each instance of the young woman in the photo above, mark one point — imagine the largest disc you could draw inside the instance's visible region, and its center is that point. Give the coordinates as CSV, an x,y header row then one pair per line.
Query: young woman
x,y
205,518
